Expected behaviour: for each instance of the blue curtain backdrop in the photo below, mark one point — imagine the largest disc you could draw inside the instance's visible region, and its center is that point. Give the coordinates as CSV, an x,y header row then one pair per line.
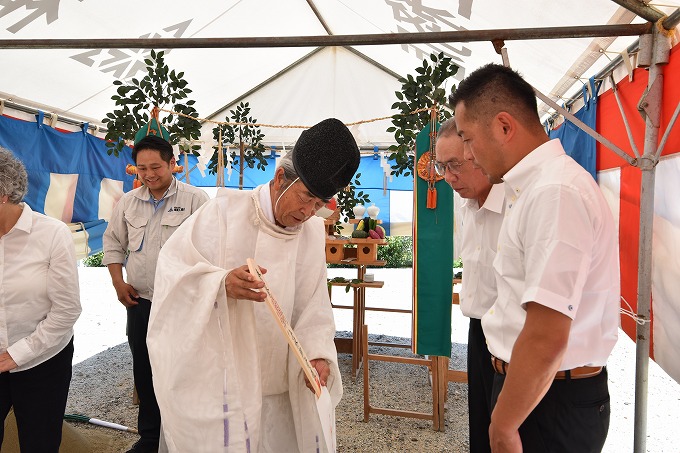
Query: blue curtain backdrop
x,y
577,143
370,173
44,150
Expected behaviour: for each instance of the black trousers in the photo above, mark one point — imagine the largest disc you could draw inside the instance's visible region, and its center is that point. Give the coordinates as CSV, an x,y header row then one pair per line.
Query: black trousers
x,y
38,396
572,417
480,384
149,416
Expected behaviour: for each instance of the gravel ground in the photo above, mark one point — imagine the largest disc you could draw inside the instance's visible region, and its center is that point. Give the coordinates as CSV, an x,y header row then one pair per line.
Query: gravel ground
x,y
102,379
102,387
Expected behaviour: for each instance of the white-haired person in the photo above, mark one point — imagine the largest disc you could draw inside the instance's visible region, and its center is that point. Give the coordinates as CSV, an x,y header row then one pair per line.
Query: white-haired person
x,y
39,304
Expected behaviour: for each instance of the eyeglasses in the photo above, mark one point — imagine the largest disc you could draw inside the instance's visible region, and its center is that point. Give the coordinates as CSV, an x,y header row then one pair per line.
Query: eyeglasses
x,y
453,167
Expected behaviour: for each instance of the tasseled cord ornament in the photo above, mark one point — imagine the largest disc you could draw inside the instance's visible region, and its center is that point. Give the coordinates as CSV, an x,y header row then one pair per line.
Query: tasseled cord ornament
x,y
426,162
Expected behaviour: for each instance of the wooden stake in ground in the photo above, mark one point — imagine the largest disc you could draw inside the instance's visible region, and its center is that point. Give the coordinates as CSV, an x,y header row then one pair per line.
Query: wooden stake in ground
x,y
287,330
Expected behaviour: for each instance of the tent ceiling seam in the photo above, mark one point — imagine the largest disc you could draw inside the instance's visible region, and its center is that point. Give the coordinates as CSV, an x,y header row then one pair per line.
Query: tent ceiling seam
x,y
265,82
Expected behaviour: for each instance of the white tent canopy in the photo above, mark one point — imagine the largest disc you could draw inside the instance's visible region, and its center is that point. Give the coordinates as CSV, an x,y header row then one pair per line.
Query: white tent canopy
x,y
302,85
352,84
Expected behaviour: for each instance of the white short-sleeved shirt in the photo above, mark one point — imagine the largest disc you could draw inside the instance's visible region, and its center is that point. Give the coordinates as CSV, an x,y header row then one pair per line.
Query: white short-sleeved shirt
x,y
557,247
480,226
39,292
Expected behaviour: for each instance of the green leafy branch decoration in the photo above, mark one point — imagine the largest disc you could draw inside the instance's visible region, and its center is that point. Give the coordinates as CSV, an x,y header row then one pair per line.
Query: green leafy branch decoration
x,y
348,198
419,92
246,138
134,100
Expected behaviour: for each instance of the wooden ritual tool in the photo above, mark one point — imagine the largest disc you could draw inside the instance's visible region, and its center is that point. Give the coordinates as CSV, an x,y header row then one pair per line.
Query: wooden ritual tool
x,y
287,330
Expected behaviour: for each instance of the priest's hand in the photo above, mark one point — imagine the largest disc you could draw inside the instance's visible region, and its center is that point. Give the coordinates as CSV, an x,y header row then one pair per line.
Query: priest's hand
x,y
6,362
240,284
322,369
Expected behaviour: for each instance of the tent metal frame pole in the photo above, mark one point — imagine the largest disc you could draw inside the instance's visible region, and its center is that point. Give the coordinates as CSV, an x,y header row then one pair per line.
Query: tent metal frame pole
x,y
615,90
61,118
319,16
671,123
641,9
508,34
585,128
672,20
668,23
651,103
604,73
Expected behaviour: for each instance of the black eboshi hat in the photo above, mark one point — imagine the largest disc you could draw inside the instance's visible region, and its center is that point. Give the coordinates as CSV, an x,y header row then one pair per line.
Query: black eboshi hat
x,y
325,157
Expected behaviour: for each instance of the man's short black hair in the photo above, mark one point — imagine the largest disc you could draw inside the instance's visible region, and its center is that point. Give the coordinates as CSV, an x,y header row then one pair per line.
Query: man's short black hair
x,y
154,143
494,88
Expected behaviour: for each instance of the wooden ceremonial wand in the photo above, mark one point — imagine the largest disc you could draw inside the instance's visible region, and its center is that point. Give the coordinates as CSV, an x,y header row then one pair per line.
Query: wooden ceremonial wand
x,y
287,330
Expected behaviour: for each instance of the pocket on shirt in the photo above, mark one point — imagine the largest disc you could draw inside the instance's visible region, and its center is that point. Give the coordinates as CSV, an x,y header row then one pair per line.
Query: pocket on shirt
x,y
170,222
136,226
509,261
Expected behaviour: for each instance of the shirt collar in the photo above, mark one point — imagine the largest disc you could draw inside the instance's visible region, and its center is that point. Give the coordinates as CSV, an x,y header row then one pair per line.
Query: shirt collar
x,y
266,202
265,214
494,201
25,222
145,194
517,178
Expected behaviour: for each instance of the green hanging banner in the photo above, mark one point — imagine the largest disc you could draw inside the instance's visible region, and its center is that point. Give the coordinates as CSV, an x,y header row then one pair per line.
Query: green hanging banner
x,y
432,255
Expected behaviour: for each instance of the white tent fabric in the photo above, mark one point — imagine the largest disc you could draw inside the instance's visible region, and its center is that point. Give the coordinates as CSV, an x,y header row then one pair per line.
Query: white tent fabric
x,y
78,83
666,259
302,85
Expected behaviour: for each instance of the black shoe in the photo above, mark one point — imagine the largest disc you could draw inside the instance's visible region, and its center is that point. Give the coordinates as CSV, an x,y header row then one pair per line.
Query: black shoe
x,y
143,447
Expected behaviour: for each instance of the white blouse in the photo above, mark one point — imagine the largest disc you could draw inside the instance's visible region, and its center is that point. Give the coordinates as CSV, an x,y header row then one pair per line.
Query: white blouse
x,y
39,292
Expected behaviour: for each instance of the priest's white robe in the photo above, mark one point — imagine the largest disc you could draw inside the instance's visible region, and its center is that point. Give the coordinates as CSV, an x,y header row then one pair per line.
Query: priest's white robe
x,y
224,378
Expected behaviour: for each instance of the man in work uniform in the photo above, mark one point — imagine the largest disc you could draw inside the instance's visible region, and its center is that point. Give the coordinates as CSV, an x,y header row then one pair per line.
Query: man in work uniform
x,y
482,218
142,221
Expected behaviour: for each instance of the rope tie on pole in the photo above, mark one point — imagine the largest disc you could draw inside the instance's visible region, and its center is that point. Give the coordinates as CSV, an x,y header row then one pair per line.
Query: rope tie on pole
x,y
631,314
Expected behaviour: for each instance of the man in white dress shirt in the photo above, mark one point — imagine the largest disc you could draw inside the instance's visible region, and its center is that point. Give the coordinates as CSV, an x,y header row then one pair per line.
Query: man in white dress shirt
x,y
555,320
482,218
